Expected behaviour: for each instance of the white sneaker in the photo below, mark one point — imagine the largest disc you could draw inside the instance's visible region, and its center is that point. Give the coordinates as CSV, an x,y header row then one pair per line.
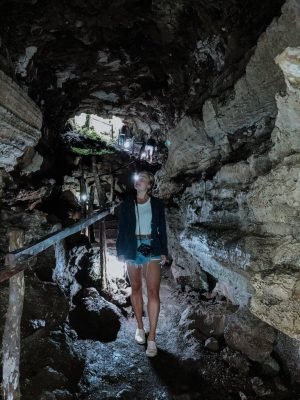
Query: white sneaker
x,y
140,336
151,349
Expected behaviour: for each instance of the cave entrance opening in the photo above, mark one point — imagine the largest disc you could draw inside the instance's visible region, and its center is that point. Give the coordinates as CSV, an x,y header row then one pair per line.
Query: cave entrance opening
x,y
93,125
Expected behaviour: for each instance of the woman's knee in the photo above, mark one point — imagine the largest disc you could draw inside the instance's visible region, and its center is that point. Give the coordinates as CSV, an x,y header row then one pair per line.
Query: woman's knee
x,y
153,293
136,287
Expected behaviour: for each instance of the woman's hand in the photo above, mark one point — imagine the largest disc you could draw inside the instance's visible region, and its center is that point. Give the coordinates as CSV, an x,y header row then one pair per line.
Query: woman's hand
x,y
164,259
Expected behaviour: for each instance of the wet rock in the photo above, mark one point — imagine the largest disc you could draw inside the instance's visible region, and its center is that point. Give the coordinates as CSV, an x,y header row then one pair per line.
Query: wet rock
x,y
126,393
57,395
48,363
269,367
86,261
207,319
247,334
235,360
259,387
187,271
288,351
279,385
242,396
48,378
45,265
95,318
211,344
50,310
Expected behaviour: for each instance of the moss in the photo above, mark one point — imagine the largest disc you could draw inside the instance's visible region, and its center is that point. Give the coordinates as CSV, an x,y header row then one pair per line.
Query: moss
x,y
91,134
89,152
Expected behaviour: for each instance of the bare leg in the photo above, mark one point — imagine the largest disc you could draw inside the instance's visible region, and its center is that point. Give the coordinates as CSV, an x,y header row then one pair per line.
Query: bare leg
x,y
152,276
135,277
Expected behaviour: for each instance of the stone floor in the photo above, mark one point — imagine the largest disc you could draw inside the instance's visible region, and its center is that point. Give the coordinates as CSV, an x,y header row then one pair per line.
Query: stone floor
x,y
182,370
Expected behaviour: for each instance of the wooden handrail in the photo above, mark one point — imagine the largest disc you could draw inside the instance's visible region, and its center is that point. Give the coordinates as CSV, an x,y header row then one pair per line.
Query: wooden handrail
x,y
20,259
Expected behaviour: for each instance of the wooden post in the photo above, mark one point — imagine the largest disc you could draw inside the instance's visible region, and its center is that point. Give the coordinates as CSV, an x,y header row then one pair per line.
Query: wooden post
x,y
91,210
83,192
102,245
112,186
11,336
100,192
102,231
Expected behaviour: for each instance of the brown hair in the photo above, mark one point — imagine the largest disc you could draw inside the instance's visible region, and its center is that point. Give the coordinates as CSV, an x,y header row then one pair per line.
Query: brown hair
x,y
150,177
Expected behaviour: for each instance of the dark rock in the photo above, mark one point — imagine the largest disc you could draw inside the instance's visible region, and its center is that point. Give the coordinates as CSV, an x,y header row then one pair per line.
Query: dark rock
x,y
287,349
269,367
249,335
88,263
44,305
212,344
48,363
94,317
57,395
236,360
259,388
45,265
279,385
126,393
208,319
48,379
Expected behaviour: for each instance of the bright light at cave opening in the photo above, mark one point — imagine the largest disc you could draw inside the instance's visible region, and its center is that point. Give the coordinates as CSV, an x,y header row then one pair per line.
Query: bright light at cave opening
x,y
101,125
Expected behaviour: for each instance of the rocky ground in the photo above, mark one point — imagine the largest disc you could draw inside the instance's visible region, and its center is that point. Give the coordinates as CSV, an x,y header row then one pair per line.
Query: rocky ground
x,y
85,350
188,366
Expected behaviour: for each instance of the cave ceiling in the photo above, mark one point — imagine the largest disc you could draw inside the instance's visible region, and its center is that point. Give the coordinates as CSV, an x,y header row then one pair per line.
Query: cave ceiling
x,y
154,60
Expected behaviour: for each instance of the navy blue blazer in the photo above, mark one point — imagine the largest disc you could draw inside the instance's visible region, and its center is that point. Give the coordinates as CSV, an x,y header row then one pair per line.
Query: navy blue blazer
x,y
127,242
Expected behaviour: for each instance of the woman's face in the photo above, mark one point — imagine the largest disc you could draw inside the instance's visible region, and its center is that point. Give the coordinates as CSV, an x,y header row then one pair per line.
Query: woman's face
x,y
142,183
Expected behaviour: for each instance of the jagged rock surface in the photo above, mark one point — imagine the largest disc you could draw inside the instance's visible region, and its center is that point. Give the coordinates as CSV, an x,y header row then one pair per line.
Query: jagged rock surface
x,y
148,60
20,124
234,179
240,219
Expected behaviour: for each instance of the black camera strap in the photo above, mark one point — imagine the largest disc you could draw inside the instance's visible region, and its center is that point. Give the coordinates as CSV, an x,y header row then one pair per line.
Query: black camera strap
x,y
138,215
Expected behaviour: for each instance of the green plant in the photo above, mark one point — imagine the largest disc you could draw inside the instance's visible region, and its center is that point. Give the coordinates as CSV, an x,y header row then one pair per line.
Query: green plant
x,y
89,152
91,134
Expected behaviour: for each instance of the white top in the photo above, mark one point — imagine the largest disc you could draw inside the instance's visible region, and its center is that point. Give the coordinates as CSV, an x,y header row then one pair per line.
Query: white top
x,y
145,216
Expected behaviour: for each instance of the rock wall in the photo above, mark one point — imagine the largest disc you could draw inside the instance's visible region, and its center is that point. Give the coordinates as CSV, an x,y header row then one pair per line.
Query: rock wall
x,y
20,124
234,181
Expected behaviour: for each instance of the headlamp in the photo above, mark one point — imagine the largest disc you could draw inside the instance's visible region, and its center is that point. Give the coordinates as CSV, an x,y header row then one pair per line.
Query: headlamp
x,y
84,197
135,177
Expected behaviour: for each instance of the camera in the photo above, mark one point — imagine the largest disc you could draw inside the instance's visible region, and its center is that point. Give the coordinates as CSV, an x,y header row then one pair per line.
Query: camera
x,y
145,249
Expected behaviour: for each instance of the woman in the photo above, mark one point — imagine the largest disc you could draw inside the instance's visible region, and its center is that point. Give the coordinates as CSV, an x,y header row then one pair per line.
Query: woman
x,y
142,221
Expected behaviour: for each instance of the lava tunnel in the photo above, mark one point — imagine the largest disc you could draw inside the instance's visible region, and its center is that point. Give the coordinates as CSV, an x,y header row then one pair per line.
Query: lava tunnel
x,y
150,168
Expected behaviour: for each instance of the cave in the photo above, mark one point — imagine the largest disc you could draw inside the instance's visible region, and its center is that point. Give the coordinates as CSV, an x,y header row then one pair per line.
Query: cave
x,y
84,87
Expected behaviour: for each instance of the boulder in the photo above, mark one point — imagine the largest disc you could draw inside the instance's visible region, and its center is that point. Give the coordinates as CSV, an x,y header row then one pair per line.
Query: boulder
x,y
235,360
249,335
288,351
48,363
212,344
94,317
45,305
207,319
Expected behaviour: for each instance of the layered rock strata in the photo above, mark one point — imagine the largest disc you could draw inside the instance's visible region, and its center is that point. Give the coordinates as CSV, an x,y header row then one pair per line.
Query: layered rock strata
x,y
234,178
20,124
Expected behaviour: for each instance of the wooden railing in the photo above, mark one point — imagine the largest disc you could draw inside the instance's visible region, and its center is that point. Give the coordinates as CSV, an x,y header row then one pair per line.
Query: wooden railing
x,y
16,261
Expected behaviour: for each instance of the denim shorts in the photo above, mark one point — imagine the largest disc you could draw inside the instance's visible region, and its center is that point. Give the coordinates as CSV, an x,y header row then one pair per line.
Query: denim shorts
x,y
140,259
